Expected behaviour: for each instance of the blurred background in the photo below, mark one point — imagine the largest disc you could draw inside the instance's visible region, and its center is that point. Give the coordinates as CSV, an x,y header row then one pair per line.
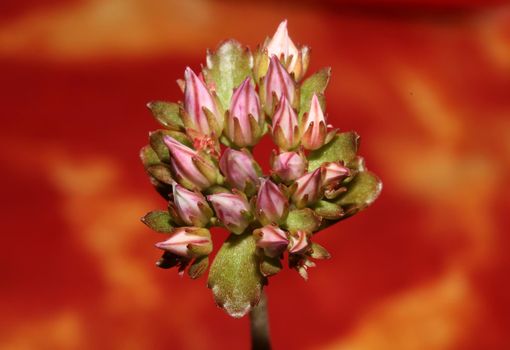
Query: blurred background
x,y
425,83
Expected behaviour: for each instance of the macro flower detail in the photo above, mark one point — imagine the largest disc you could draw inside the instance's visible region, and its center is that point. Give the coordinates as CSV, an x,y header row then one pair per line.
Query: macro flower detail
x,y
190,169
191,207
313,126
201,111
202,163
188,242
272,239
276,85
240,170
233,210
245,121
294,59
307,189
285,129
288,166
271,204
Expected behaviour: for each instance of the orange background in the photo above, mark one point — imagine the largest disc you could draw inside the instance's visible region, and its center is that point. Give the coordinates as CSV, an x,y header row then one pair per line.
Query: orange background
x,y
425,83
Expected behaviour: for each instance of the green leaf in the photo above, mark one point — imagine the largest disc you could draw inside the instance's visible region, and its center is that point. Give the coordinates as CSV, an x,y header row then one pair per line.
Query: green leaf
x,y
158,220
328,210
362,191
234,277
227,68
167,114
302,219
343,146
148,156
315,84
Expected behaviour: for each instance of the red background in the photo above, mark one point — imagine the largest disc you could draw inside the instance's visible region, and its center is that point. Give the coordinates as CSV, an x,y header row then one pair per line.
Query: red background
x,y
425,83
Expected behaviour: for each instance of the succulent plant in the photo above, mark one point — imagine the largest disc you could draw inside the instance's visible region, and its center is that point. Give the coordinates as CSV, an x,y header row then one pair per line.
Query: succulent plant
x,y
201,162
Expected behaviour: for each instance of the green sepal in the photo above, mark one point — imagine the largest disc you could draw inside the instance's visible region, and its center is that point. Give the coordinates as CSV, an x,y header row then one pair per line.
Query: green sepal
x,y
362,191
198,267
167,114
235,277
148,156
343,147
158,220
269,266
319,252
328,210
314,84
227,68
302,219
161,172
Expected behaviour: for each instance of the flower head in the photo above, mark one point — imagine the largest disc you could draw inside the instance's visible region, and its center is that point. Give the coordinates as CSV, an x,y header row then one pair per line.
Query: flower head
x,y
245,120
307,189
191,207
233,210
189,242
285,127
190,169
240,170
277,83
272,239
271,204
202,114
288,166
313,126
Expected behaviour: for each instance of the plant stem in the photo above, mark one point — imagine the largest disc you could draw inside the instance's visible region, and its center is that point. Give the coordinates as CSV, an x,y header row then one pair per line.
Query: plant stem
x,y
259,325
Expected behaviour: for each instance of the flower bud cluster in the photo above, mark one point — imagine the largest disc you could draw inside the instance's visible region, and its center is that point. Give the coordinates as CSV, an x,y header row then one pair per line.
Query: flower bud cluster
x,y
204,166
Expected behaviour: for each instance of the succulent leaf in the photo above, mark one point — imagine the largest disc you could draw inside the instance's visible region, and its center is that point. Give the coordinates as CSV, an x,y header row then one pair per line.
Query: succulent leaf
x,y
235,277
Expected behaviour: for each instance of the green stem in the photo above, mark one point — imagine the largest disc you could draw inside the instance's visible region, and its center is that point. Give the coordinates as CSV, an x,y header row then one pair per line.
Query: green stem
x,y
259,325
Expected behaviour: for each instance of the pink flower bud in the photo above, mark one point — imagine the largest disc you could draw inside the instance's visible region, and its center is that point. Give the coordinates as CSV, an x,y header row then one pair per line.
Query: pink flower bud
x,y
271,204
244,124
202,113
189,242
281,46
189,168
279,83
333,173
191,207
285,127
232,209
307,189
272,239
240,169
294,59
288,166
313,126
298,242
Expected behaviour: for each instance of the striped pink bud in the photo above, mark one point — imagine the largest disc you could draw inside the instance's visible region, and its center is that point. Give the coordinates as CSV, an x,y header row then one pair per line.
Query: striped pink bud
x,y
313,126
189,168
240,169
298,242
288,166
188,242
202,114
285,129
277,84
233,210
333,173
307,189
191,206
245,121
272,240
271,204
